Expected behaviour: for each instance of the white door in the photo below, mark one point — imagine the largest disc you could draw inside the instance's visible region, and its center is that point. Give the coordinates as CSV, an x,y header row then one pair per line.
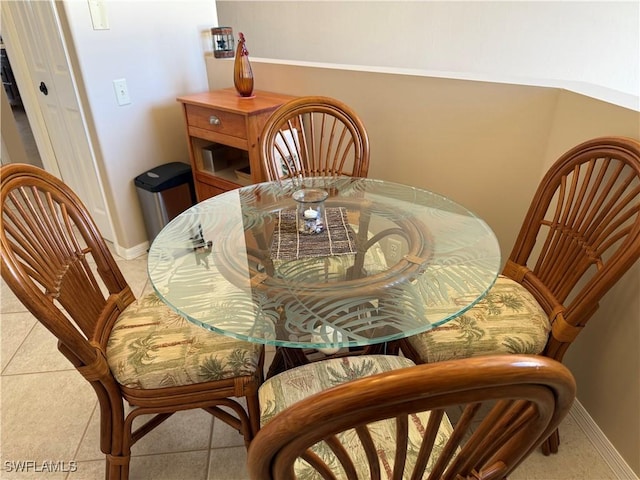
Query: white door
x,y
37,28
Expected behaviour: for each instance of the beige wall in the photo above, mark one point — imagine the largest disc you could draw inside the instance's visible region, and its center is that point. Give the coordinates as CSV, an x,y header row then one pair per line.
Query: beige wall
x,y
475,142
486,145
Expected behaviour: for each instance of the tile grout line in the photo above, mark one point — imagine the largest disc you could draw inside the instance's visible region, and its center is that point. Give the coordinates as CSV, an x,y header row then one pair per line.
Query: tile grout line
x,y
209,450
13,355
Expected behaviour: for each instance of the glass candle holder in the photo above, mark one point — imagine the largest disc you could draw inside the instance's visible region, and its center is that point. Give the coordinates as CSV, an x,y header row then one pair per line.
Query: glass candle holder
x,y
310,210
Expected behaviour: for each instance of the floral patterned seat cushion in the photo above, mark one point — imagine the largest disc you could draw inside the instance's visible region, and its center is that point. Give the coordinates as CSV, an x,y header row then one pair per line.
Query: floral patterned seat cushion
x,y
151,346
291,386
507,320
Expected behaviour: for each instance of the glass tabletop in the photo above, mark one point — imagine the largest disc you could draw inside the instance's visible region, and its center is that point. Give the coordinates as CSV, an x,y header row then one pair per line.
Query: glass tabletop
x,y
386,261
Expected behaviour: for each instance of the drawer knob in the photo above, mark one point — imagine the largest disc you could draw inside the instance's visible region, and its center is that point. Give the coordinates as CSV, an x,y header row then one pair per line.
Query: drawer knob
x,y
213,120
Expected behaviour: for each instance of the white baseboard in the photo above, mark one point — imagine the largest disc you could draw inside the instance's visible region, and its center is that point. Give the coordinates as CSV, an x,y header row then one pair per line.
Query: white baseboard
x,y
602,444
131,253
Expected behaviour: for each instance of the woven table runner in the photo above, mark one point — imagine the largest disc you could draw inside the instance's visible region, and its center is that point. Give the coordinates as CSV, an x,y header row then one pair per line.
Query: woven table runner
x,y
337,238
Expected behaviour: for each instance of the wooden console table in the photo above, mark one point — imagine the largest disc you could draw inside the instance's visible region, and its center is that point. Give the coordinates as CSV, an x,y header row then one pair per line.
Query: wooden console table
x,y
222,131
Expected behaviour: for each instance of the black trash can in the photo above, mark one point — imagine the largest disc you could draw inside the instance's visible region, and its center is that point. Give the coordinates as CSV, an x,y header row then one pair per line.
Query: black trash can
x,y
164,192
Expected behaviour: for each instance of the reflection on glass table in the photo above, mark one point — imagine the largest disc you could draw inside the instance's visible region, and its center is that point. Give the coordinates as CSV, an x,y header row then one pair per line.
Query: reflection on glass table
x,y
392,261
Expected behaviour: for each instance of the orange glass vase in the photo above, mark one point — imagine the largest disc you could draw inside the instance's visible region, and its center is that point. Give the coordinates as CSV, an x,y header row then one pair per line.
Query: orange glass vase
x,y
242,73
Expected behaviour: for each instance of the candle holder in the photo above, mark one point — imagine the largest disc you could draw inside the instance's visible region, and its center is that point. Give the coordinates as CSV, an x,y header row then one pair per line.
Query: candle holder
x,y
223,45
310,210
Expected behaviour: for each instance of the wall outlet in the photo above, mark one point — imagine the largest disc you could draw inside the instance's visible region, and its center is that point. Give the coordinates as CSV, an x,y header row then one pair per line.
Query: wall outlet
x,y
122,91
394,250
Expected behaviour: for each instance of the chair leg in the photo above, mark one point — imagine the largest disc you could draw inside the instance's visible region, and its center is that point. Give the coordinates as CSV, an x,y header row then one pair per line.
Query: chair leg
x,y
393,348
286,358
117,467
408,351
551,444
114,428
277,364
253,410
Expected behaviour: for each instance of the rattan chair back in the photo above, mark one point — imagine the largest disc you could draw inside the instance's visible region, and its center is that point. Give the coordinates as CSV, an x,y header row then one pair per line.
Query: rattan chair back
x,y
501,408
580,235
314,136
58,265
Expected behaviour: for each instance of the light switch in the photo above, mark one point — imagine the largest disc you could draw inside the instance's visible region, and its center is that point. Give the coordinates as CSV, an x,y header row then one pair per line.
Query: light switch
x,y
122,92
98,12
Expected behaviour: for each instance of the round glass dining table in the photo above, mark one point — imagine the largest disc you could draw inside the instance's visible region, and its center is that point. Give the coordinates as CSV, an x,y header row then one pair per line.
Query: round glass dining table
x,y
389,261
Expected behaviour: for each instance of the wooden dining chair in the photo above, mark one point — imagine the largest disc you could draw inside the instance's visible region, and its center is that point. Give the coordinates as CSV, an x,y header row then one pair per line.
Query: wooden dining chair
x,y
580,235
314,136
139,351
383,417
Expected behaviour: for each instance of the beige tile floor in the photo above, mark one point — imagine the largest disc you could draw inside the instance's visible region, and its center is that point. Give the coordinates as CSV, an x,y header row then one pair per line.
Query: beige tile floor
x,y
49,413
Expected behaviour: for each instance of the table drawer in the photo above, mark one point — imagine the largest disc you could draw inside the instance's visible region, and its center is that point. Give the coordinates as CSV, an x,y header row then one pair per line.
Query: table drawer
x,y
217,121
